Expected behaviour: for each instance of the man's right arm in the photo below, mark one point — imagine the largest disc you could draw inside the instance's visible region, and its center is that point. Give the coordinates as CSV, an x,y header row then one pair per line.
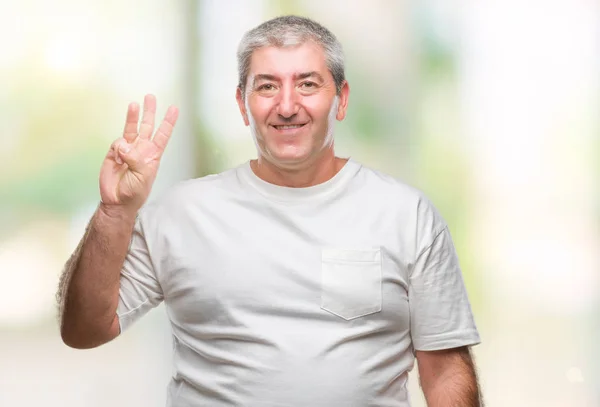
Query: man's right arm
x,y
88,295
89,288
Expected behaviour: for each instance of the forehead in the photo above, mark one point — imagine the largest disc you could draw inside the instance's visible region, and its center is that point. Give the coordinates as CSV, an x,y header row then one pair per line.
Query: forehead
x,y
287,61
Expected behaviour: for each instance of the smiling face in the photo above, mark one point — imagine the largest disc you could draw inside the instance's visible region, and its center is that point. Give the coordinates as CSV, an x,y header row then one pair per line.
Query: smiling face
x,y
291,104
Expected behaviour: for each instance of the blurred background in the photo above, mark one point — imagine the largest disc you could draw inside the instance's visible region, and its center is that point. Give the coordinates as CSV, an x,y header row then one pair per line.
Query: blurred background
x,y
491,107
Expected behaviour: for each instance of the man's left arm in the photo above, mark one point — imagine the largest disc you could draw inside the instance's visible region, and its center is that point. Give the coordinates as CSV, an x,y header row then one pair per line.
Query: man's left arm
x,y
449,378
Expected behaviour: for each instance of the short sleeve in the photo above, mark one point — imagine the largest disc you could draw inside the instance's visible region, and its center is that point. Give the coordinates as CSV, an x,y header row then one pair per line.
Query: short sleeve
x,y
440,312
140,290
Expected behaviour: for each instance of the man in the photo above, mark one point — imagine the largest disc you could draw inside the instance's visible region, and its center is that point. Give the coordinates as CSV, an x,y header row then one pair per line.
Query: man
x,y
296,279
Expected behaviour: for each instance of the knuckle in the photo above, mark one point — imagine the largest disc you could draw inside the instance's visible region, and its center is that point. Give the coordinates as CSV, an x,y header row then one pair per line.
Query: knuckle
x,y
118,142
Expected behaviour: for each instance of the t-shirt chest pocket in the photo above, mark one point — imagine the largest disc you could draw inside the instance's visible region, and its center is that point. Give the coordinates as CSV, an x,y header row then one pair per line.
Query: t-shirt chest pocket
x,y
351,281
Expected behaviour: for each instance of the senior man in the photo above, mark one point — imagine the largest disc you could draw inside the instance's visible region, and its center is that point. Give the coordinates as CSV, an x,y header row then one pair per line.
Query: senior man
x,y
296,279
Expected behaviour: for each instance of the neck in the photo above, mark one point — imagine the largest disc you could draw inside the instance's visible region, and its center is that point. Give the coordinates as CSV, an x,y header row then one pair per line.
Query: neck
x,y
308,174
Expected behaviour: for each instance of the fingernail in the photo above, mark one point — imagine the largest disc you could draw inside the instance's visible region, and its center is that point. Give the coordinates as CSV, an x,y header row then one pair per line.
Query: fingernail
x,y
125,149
118,160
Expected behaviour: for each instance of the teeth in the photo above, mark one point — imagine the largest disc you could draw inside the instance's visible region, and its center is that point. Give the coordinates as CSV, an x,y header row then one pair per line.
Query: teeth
x,y
296,126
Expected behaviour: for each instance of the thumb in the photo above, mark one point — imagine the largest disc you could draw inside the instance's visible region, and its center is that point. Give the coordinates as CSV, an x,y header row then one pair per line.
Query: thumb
x,y
130,156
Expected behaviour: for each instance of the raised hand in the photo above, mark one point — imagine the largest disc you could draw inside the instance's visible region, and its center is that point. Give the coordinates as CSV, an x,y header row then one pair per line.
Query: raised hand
x,y
130,166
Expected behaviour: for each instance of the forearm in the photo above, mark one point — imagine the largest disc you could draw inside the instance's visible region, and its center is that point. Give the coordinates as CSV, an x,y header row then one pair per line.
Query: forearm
x,y
89,289
449,378
454,389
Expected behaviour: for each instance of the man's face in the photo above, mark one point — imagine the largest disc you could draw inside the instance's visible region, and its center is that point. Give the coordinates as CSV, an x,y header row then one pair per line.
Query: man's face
x,y
291,103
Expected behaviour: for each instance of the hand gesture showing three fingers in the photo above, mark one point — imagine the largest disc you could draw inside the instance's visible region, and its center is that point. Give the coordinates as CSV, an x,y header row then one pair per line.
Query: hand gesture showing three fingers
x,y
130,166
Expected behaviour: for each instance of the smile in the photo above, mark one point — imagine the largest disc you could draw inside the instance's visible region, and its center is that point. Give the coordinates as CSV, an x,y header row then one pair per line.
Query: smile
x,y
288,126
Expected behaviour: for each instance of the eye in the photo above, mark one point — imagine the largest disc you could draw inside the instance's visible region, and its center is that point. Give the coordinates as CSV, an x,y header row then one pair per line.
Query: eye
x,y
308,85
266,86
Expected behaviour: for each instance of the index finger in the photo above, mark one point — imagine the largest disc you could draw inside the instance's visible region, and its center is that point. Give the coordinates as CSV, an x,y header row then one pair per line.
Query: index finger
x,y
131,122
163,134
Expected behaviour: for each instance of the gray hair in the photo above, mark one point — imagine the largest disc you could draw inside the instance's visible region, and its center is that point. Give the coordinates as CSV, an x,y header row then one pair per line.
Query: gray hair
x,y
289,31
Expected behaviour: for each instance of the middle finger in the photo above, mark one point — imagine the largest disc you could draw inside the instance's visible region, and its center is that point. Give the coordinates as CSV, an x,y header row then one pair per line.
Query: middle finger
x,y
147,125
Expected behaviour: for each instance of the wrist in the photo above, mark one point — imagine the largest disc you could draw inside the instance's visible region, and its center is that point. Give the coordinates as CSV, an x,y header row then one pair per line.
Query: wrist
x,y
116,213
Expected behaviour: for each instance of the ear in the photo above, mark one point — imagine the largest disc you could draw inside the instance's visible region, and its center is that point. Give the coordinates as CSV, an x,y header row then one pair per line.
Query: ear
x,y
242,106
343,103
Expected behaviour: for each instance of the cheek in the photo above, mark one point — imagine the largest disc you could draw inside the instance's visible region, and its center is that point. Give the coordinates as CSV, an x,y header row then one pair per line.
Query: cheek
x,y
317,108
259,110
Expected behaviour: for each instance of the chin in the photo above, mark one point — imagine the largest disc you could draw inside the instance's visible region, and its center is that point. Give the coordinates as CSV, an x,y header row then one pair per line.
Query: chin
x,y
287,159
290,153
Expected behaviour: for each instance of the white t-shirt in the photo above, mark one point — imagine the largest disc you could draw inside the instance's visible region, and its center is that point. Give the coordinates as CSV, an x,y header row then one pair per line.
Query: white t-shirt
x,y
296,297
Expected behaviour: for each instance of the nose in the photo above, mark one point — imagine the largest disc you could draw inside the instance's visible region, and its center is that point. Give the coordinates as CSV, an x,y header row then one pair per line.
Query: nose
x,y
288,102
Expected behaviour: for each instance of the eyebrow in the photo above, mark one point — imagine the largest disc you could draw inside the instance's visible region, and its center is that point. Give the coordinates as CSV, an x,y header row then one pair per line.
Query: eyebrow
x,y
300,76
305,75
264,77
